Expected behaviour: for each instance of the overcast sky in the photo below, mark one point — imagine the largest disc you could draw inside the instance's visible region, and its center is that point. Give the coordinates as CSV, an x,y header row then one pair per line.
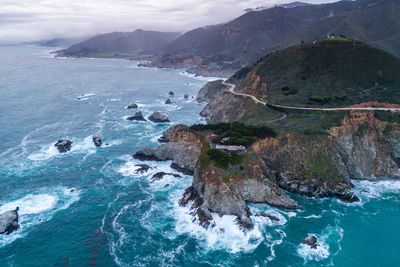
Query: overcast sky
x,y
32,20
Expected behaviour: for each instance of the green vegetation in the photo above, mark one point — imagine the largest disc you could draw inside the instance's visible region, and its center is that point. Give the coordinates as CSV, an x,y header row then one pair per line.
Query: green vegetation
x,y
333,72
387,116
320,165
134,54
289,91
224,159
238,133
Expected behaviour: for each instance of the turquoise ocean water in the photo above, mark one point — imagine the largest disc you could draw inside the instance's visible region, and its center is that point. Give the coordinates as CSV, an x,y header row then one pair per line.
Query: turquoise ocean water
x,y
89,207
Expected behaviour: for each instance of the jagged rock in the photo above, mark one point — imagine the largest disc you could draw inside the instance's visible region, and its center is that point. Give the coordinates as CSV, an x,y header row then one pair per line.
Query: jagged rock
x,y
186,96
168,101
180,169
166,136
210,91
63,145
97,139
131,106
171,93
142,168
158,117
183,149
160,175
137,117
311,241
9,221
271,217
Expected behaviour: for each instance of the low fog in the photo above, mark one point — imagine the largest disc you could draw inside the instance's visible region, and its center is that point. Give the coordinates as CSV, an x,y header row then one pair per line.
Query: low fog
x,y
27,20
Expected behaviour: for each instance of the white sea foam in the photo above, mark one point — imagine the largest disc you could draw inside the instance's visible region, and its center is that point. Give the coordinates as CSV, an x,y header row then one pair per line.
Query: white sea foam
x,y
31,204
83,146
313,216
319,253
372,189
36,208
84,96
199,77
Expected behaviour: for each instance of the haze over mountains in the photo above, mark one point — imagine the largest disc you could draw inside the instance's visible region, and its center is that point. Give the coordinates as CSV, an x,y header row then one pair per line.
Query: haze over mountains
x,y
224,48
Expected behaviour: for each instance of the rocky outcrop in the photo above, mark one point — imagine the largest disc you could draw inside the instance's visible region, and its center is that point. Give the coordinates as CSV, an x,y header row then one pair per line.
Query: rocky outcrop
x,y
168,101
226,192
183,149
311,241
210,91
370,148
97,139
159,175
158,117
131,106
9,221
137,117
226,107
63,145
142,168
171,93
166,136
186,96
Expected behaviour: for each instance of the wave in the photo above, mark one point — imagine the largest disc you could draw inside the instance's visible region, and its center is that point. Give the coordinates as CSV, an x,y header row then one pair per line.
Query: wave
x,y
376,189
199,77
36,208
84,96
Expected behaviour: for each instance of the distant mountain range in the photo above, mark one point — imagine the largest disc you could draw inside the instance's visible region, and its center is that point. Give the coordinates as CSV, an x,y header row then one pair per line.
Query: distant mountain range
x,y
138,44
222,49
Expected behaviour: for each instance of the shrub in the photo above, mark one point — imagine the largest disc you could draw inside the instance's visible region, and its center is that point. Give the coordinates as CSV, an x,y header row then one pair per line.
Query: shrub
x,y
320,99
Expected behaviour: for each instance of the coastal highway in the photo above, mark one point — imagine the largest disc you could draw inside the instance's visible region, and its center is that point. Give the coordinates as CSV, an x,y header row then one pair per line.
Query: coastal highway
x,y
232,90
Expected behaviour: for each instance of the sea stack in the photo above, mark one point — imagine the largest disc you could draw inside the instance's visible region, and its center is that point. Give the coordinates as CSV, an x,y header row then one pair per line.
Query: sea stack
x,y
63,145
137,117
97,139
131,106
159,117
9,221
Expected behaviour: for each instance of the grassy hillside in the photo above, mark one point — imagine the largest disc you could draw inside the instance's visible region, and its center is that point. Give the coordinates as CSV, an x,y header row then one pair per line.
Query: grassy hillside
x,y
329,72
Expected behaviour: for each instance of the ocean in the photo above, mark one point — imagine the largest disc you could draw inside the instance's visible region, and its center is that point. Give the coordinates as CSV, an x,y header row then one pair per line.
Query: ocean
x,y
89,206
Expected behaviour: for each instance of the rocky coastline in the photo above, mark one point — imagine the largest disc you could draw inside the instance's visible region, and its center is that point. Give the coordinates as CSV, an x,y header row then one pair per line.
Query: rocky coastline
x,y
294,163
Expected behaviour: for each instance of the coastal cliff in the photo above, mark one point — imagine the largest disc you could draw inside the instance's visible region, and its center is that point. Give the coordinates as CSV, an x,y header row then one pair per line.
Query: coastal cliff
x,y
314,153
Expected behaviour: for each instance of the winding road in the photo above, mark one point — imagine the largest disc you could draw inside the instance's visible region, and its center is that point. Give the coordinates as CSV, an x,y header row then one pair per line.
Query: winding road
x,y
232,90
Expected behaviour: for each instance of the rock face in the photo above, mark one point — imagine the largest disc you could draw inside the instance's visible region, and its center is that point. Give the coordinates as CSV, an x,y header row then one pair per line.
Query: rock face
x,y
131,106
183,149
9,221
166,136
168,101
311,241
209,91
142,168
63,145
158,117
97,139
137,117
226,107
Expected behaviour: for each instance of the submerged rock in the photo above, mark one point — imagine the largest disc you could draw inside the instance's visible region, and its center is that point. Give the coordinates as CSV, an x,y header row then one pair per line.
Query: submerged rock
x,y
271,217
158,117
97,139
159,175
168,101
9,221
186,96
171,93
137,117
63,145
311,241
142,168
131,106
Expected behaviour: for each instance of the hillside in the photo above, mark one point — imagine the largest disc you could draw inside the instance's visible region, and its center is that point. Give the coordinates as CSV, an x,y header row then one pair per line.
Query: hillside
x,y
137,44
330,72
254,34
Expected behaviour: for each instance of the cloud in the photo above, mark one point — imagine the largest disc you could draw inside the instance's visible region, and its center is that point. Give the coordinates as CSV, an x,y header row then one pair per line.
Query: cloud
x,y
27,20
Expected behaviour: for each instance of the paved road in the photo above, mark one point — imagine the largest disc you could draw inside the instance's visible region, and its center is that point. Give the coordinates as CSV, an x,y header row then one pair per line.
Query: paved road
x,y
212,145
232,90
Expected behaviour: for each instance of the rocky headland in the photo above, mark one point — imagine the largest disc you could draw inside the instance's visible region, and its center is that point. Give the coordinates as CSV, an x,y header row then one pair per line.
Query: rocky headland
x,y
314,153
